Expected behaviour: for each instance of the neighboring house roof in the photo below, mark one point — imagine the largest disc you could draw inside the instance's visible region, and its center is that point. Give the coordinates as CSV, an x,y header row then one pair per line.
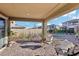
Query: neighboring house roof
x,y
72,21
17,27
52,25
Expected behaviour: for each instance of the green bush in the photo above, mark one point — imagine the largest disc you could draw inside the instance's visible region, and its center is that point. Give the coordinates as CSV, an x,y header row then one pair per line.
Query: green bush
x,y
50,31
65,31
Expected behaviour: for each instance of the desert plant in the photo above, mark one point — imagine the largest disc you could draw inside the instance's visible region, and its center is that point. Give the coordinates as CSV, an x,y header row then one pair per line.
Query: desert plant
x,y
25,36
12,35
22,36
40,34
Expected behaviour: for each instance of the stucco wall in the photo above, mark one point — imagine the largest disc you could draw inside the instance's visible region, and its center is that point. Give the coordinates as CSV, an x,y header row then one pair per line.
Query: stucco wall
x,y
5,39
27,31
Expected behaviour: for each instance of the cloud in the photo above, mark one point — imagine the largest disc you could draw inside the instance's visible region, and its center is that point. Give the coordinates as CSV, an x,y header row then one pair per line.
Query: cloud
x,y
77,17
74,17
48,23
60,24
39,24
70,13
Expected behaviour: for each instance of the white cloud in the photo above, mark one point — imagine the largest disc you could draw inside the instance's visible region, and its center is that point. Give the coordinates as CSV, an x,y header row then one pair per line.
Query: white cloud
x,y
70,13
77,17
60,24
74,17
39,24
48,23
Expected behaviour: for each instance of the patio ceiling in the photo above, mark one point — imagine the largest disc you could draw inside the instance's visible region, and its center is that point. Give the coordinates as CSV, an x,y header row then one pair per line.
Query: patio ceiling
x,y
35,11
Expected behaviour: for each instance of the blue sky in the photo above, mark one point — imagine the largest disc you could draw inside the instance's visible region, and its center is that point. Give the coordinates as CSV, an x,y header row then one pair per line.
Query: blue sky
x,y
57,21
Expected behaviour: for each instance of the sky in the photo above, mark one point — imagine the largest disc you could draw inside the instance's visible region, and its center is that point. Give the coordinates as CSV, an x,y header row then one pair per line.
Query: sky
x,y
57,21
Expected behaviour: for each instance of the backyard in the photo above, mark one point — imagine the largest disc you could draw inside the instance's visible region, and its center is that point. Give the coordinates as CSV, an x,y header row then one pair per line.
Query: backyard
x,y
39,29
37,48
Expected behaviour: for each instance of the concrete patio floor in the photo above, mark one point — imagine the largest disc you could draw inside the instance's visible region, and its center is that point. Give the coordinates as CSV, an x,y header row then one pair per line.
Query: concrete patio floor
x,y
17,50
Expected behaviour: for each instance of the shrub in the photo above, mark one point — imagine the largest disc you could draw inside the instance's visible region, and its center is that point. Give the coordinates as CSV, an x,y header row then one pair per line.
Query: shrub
x,y
50,31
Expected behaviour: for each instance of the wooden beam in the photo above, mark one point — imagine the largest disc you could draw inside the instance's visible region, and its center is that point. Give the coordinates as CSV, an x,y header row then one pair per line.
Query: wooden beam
x,y
3,14
55,8
25,19
65,9
21,19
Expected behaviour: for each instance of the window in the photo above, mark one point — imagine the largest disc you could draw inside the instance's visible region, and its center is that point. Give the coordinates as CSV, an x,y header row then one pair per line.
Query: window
x,y
2,32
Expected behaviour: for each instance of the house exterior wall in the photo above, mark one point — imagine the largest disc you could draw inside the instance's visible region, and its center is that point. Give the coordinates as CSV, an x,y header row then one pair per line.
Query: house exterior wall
x,y
4,40
72,24
51,27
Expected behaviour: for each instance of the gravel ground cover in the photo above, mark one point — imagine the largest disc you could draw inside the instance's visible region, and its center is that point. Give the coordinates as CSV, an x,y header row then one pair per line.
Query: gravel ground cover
x,y
17,50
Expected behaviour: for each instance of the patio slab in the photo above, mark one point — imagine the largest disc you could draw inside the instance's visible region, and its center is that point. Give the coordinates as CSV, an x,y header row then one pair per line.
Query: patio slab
x,y
16,50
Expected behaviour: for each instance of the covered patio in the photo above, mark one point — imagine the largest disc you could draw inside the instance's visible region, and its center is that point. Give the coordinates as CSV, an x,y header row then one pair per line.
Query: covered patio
x,y
38,12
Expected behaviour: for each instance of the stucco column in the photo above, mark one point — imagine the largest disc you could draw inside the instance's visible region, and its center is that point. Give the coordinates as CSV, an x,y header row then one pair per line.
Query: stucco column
x,y
44,31
8,30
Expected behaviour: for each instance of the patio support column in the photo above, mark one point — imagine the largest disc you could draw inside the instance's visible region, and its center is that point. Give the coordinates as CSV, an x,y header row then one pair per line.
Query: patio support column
x,y
44,30
8,30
